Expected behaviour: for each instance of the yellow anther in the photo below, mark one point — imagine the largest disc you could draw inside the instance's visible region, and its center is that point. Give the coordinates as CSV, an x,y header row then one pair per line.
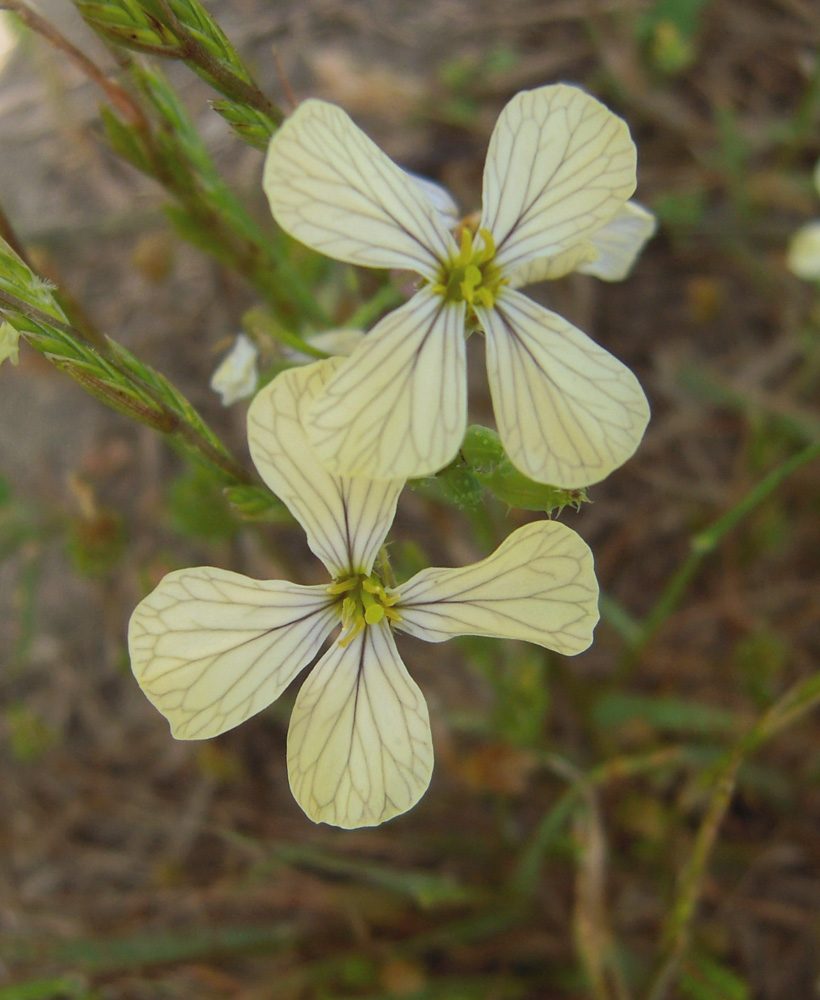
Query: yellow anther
x,y
471,276
466,254
366,603
356,627
487,252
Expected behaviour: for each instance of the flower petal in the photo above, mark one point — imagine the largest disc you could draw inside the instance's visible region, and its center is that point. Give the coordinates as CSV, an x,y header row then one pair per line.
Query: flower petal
x,y
346,519
548,268
559,166
619,242
803,255
609,255
444,202
332,188
539,585
567,411
236,376
211,648
359,745
397,406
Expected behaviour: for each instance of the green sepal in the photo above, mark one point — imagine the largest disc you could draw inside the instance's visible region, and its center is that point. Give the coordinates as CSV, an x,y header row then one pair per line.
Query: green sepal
x,y
255,503
251,125
483,454
456,485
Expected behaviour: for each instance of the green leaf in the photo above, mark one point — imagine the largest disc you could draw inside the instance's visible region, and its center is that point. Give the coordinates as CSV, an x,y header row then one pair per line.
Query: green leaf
x,y
197,506
429,889
125,140
62,988
707,979
678,715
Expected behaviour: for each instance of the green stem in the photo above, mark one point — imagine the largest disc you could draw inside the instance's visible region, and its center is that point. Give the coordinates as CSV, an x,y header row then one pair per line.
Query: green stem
x,y
797,701
708,540
169,422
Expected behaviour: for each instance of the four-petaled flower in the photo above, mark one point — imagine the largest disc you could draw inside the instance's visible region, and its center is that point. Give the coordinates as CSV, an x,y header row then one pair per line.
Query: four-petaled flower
x,y
559,173
210,648
236,375
803,254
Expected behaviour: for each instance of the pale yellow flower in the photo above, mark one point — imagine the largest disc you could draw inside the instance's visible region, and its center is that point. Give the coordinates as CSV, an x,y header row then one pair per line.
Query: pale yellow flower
x,y
559,172
236,376
211,648
803,254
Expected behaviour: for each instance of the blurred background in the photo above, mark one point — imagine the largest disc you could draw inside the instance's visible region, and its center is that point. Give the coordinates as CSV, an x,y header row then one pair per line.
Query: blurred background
x,y
638,821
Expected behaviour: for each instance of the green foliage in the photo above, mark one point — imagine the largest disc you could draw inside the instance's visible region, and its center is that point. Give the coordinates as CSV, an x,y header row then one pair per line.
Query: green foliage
x,y
197,507
61,988
705,978
485,456
108,371
760,659
482,464
250,124
463,76
97,542
681,211
257,503
183,29
428,890
668,32
665,714
29,737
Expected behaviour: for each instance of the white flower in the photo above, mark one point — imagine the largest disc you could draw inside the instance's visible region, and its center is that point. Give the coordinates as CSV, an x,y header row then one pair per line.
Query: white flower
x,y
9,343
559,172
803,254
211,648
237,375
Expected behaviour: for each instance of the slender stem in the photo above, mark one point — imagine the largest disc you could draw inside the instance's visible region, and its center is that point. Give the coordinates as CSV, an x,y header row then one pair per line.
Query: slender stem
x,y
708,540
800,698
83,323
172,422
119,97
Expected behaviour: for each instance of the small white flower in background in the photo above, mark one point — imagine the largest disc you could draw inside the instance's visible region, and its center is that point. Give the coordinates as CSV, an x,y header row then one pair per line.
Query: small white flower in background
x,y
559,172
803,255
236,376
9,343
211,648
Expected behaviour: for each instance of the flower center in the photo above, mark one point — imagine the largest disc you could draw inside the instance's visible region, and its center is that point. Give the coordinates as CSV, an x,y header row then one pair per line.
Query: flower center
x,y
365,602
472,276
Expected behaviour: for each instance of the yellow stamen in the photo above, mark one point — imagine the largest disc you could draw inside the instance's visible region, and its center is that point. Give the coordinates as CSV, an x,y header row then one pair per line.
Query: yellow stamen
x,y
367,603
471,276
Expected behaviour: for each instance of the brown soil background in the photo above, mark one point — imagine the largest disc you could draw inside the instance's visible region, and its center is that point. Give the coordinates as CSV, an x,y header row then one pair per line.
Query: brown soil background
x,y
112,832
